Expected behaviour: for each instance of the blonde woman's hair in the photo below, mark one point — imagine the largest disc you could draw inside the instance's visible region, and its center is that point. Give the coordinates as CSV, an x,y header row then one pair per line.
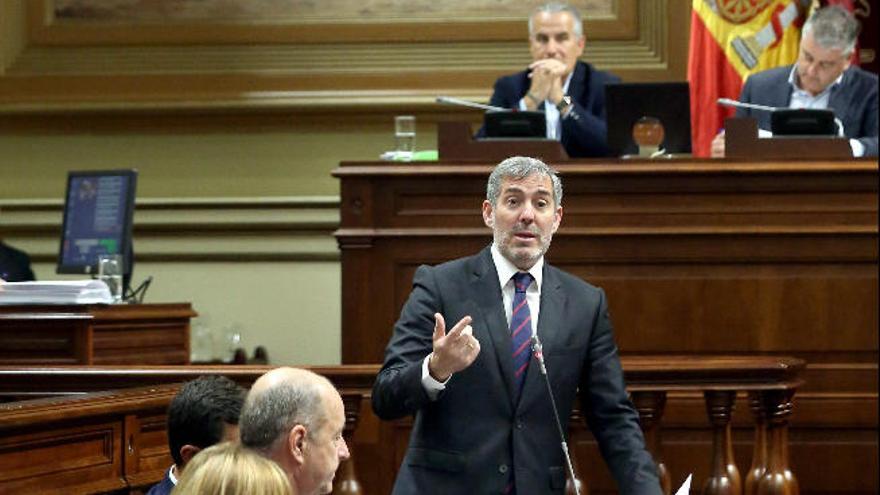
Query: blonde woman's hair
x,y
231,469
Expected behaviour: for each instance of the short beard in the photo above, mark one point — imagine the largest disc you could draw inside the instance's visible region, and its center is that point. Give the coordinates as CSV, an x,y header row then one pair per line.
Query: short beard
x,y
523,261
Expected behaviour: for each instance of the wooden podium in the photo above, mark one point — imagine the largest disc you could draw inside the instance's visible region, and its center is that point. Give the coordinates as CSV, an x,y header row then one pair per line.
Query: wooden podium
x,y
741,141
455,142
95,334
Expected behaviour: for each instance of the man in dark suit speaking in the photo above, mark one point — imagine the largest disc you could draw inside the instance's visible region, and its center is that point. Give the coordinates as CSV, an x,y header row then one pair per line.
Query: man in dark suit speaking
x,y
483,418
571,93
821,78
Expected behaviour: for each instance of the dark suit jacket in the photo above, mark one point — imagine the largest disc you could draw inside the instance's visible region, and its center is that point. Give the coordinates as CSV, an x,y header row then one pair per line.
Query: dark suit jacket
x,y
163,487
854,102
15,265
476,430
584,131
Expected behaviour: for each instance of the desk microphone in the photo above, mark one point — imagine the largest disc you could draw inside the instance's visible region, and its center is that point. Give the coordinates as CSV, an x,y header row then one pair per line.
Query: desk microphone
x,y
738,104
538,352
470,104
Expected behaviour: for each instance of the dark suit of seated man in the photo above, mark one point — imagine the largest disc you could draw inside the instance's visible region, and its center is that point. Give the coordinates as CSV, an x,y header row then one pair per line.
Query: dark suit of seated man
x,y
483,419
821,78
570,92
15,265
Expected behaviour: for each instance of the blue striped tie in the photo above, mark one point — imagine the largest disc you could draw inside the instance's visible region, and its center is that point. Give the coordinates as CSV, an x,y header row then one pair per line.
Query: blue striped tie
x,y
521,328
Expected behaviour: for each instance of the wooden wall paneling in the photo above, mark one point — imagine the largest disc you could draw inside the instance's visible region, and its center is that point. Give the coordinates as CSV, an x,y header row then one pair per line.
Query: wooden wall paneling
x,y
295,64
146,448
41,460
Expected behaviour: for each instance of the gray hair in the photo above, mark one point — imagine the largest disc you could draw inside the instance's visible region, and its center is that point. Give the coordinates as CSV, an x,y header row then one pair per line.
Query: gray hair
x,y
553,8
520,167
833,28
269,415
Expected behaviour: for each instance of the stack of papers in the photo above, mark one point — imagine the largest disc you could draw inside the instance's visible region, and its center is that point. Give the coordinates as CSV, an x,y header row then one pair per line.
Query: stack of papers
x,y
685,487
56,292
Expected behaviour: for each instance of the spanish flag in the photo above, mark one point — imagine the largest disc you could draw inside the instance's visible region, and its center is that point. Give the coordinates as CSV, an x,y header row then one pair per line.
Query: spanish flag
x,y
731,39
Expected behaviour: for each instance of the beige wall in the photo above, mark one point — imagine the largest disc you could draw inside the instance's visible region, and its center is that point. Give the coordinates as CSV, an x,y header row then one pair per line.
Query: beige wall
x,y
293,161
12,29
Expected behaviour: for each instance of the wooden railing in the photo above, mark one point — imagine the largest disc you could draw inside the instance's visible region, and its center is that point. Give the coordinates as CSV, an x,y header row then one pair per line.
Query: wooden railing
x,y
100,440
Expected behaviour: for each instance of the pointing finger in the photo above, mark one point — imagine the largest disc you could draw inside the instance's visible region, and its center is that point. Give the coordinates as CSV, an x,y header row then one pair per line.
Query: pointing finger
x,y
459,327
439,327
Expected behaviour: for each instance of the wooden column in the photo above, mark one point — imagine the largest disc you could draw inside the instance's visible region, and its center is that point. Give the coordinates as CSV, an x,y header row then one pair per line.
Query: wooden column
x,y
759,449
724,478
778,478
346,482
650,406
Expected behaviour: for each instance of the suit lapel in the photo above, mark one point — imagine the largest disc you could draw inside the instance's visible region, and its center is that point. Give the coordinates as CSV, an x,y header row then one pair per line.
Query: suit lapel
x,y
781,95
840,98
494,334
552,305
576,88
578,81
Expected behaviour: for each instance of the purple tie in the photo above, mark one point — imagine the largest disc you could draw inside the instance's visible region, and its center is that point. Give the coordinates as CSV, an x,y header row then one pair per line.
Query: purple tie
x,y
521,328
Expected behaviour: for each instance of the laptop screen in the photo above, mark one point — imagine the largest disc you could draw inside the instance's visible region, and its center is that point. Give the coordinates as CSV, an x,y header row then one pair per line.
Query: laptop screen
x,y
668,102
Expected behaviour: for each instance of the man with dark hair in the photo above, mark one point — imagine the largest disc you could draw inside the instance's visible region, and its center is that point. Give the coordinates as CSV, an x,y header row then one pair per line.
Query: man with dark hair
x,y
204,412
15,265
296,418
483,420
821,78
571,93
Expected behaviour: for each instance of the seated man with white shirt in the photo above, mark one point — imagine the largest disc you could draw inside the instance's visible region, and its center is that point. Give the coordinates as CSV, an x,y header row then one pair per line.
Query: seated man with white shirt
x,y
571,93
821,78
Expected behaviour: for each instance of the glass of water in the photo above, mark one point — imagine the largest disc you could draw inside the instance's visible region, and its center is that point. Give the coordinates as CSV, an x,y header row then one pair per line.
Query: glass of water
x,y
405,136
110,272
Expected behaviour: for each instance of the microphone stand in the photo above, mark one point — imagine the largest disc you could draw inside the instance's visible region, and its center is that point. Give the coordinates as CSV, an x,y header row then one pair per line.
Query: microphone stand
x,y
538,351
448,100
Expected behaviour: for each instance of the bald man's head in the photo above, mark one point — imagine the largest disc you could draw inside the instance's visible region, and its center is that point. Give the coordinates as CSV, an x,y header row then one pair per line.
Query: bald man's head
x,y
277,401
296,418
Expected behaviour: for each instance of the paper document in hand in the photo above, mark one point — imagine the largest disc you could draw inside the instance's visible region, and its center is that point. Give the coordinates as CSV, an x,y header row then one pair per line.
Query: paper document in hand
x,y
56,292
685,487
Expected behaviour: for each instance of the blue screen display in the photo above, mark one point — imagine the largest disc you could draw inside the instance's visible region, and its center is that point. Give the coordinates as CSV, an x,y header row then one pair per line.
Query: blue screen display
x,y
95,218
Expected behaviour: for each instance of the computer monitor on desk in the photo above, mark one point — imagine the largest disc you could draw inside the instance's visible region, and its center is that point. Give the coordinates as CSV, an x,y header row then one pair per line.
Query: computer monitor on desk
x,y
514,124
98,215
668,102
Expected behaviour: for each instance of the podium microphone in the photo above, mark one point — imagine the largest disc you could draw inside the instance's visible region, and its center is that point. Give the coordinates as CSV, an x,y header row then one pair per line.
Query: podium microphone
x,y
538,352
470,104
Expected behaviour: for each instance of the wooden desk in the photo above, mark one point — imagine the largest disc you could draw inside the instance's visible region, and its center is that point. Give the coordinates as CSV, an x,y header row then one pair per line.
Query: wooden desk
x,y
95,334
697,257
114,439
